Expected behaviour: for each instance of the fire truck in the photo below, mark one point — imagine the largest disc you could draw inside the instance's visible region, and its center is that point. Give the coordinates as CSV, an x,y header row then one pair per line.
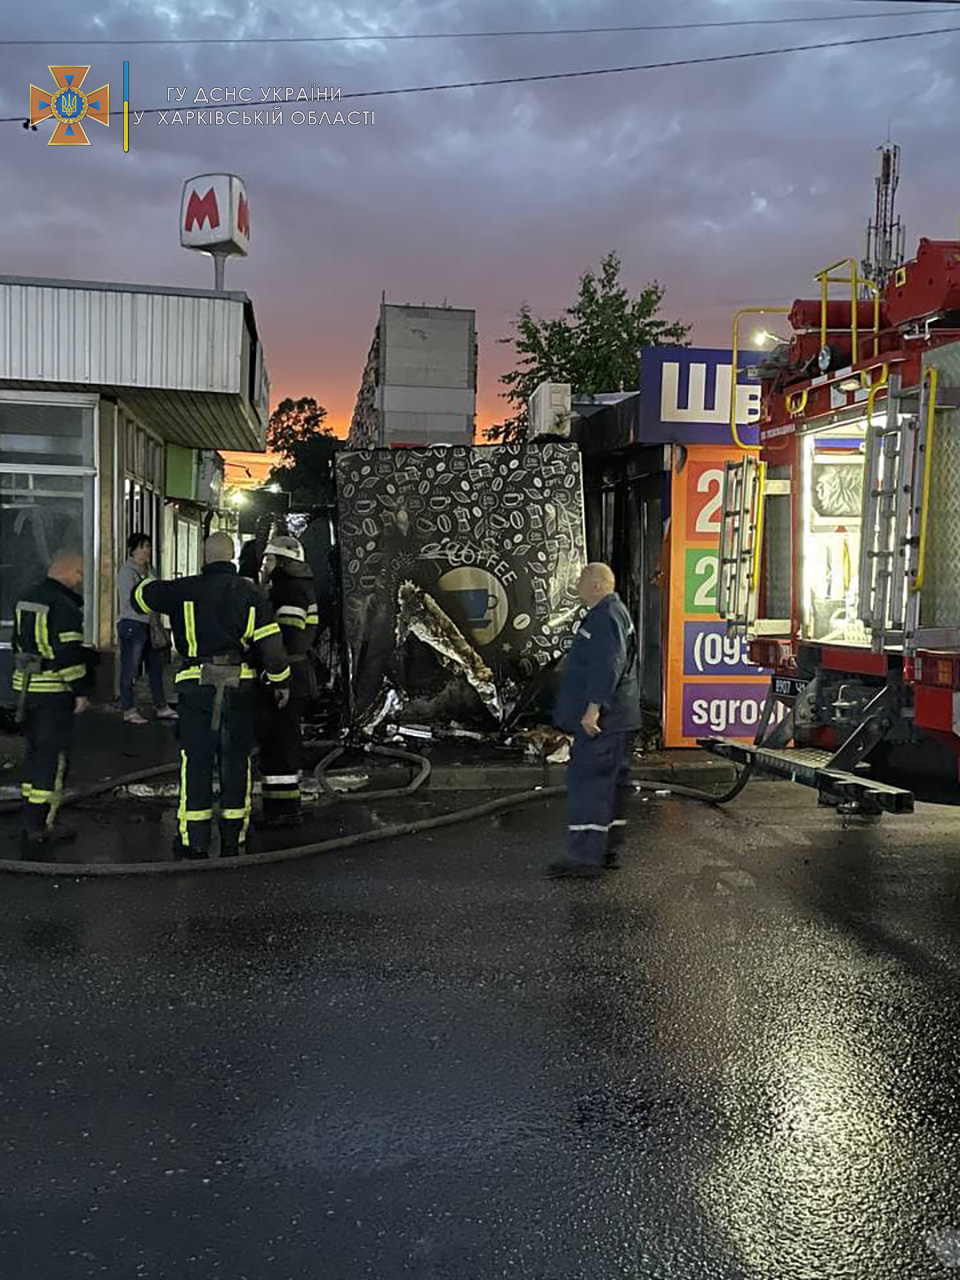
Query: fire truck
x,y
840,544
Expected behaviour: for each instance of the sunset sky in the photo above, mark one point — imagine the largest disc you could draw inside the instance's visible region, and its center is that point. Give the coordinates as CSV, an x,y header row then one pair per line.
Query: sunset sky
x,y
730,183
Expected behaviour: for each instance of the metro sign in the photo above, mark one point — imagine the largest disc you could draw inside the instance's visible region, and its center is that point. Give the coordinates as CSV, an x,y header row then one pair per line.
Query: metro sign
x,y
215,214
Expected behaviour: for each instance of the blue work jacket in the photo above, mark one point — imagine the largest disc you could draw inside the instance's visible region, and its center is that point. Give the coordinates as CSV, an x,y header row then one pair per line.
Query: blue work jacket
x,y
602,667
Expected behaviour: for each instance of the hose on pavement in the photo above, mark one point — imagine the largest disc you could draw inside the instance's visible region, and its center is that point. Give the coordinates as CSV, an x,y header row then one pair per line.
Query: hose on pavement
x,y
89,869
339,843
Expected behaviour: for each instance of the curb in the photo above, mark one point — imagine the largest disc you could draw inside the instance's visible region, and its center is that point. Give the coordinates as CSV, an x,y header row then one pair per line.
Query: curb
x,y
705,773
503,777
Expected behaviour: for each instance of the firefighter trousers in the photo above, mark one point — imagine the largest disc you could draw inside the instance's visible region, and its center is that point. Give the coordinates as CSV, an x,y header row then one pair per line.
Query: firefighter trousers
x,y
281,746
598,787
49,725
202,750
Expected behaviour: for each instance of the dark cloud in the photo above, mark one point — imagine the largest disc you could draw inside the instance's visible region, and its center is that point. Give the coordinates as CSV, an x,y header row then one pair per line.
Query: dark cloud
x,y
726,182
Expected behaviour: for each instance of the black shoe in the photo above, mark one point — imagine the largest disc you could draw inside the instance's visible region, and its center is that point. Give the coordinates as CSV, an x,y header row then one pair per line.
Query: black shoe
x,y
232,852
185,854
567,869
612,861
276,821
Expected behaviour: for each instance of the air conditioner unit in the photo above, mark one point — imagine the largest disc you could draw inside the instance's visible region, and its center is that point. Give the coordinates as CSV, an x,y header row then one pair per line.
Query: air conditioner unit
x,y
549,410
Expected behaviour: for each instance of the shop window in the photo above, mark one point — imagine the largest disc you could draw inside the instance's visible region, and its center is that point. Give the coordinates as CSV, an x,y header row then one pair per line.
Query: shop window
x,y
39,514
188,548
143,466
47,435
47,495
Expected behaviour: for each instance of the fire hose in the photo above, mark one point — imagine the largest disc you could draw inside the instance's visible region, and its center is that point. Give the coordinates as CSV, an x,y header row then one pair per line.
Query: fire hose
x,y
337,844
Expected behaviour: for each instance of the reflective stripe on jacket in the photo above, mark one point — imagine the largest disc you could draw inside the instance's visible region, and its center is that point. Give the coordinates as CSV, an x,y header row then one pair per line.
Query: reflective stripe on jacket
x,y
48,624
217,612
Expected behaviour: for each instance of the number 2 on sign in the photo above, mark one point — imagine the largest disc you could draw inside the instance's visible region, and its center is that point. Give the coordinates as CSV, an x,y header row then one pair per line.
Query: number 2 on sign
x,y
708,518
700,595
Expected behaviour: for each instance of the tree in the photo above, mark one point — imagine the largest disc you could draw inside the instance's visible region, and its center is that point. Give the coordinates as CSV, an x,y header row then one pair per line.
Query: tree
x,y
308,475
293,421
594,345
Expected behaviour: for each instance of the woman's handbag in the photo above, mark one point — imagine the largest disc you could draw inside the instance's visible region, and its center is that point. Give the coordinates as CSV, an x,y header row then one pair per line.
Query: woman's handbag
x,y
159,639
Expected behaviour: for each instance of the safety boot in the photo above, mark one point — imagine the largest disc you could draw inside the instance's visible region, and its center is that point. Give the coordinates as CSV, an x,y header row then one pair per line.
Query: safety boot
x,y
183,852
568,869
277,821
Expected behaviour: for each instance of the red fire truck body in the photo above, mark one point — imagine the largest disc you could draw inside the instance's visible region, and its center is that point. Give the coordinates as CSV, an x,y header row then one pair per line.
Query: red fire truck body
x,y
840,551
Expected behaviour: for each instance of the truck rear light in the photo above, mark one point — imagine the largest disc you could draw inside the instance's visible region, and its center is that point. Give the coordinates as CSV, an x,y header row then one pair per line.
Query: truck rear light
x,y
941,671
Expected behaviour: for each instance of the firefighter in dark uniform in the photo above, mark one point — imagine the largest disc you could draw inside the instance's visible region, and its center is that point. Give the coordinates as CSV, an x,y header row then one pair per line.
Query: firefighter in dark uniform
x,y
289,580
599,703
221,623
52,678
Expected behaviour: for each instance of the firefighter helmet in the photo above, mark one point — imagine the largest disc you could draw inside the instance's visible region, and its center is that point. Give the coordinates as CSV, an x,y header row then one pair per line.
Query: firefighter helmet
x,y
285,546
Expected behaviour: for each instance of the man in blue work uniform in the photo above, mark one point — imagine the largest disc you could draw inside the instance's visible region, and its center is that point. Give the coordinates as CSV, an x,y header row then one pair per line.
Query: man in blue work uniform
x,y
599,703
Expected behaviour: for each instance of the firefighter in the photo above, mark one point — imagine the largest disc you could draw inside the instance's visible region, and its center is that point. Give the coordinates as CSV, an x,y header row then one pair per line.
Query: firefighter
x,y
52,677
219,622
290,582
599,703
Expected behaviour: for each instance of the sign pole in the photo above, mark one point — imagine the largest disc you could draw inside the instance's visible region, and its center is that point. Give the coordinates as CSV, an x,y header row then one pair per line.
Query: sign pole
x,y
219,259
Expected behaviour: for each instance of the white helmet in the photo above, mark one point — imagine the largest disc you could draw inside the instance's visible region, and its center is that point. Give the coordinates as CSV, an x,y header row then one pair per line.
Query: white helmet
x,y
285,546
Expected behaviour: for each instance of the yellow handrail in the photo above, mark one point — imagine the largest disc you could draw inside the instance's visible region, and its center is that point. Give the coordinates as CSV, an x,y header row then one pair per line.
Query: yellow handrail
x,y
871,397
827,278
796,401
761,490
931,375
735,354
875,291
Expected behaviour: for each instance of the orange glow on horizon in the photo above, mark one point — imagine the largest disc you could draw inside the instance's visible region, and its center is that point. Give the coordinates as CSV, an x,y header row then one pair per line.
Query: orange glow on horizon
x,y
251,470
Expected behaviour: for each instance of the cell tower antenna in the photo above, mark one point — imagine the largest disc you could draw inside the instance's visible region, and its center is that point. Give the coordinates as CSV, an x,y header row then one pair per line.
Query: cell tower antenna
x,y
885,238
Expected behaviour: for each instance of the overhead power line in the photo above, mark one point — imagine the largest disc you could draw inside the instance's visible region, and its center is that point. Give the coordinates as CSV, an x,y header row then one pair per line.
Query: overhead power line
x,y
707,60
489,35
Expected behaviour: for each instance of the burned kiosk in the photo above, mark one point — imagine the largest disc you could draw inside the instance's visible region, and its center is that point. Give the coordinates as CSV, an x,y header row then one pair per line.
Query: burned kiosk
x,y
459,569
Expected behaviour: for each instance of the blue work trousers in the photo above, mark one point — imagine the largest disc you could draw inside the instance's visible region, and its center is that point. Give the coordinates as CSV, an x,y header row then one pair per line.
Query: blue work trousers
x,y
136,651
598,786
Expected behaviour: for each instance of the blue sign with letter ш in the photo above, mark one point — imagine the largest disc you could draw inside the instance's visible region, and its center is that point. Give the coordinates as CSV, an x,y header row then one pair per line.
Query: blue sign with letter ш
x,y
685,396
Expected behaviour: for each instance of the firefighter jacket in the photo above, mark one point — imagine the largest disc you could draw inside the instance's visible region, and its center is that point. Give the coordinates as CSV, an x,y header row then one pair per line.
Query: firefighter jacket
x,y
48,626
294,601
217,614
602,667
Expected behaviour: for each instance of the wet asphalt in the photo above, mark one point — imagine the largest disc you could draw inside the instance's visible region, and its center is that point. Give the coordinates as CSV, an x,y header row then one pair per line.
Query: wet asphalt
x,y
735,1059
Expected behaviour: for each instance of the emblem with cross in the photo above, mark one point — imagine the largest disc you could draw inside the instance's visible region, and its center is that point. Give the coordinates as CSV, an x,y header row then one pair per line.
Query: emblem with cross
x,y
69,106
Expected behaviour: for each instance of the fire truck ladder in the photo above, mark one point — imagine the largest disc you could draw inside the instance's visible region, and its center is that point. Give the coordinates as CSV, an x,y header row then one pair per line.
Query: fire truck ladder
x,y
894,526
740,540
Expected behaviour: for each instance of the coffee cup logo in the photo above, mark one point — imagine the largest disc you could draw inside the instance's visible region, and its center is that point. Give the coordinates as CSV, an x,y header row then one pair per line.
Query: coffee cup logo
x,y
476,598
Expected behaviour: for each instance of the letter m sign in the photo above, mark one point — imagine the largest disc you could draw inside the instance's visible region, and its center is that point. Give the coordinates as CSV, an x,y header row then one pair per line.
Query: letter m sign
x,y
202,210
215,214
